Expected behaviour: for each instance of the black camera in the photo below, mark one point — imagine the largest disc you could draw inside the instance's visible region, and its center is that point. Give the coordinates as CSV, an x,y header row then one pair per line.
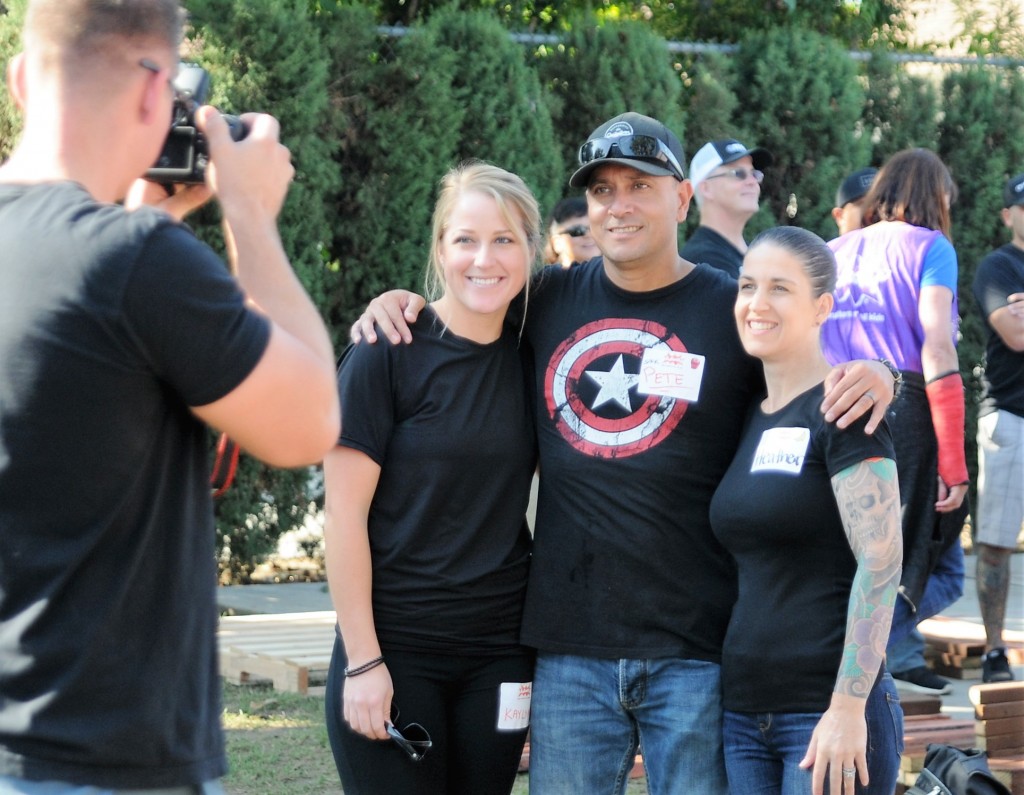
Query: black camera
x,y
184,157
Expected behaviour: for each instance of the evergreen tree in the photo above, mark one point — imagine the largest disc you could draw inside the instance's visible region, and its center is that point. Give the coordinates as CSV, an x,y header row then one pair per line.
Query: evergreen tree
x,y
505,116
980,143
10,43
900,109
603,70
266,55
398,124
804,102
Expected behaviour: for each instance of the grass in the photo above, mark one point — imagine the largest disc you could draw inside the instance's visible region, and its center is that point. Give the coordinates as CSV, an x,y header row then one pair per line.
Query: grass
x,y
277,745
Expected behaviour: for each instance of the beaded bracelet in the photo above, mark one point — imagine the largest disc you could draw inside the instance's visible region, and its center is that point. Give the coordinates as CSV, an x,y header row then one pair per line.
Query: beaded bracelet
x,y
366,666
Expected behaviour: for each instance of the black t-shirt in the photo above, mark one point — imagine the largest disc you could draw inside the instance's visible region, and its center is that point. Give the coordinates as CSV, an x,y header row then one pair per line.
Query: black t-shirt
x,y
111,325
448,420
999,275
706,245
625,564
776,512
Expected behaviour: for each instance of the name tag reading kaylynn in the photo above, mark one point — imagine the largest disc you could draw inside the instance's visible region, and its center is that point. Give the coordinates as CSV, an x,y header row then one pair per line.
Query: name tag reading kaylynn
x,y
781,450
671,374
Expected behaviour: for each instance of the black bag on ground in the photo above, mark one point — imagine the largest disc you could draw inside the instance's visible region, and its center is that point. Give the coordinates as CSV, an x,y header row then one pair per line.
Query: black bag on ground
x,y
952,771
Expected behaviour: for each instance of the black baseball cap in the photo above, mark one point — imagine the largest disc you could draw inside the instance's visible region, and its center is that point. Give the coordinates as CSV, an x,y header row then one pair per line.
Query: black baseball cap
x,y
855,186
1013,193
601,148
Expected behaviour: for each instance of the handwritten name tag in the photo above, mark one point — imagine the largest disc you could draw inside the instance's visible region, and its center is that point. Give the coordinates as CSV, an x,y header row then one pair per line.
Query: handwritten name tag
x,y
671,373
514,706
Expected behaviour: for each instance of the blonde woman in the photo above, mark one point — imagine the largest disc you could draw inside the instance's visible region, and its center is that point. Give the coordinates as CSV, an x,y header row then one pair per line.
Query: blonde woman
x,y
427,544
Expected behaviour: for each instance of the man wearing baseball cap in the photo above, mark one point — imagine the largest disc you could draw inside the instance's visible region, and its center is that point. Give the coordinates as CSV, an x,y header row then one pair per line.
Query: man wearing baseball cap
x,y
726,178
849,210
999,291
641,391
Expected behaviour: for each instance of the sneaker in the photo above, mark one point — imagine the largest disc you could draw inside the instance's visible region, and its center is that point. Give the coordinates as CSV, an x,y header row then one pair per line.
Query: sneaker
x,y
995,667
922,680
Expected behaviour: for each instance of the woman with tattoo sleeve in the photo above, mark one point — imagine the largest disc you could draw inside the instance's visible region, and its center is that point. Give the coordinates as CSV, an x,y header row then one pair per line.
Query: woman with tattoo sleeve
x,y
811,513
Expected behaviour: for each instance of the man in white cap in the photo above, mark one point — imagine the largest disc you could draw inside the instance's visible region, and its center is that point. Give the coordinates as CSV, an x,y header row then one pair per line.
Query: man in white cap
x,y
726,179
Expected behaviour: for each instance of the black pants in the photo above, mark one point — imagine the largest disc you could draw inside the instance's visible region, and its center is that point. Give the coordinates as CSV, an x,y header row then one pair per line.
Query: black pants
x,y
456,699
926,534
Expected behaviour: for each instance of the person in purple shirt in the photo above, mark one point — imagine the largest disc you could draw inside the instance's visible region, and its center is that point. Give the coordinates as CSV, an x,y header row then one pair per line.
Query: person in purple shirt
x,y
896,299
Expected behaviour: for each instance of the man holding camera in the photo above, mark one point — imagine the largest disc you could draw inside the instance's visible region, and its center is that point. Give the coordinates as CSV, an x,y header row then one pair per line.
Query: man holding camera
x,y
121,338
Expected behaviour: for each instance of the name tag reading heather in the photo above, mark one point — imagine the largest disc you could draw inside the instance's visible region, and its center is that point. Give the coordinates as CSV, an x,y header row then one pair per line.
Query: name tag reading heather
x,y
781,450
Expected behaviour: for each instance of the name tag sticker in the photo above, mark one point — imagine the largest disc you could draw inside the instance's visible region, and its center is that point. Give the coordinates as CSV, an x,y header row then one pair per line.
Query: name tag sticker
x,y
781,450
514,706
671,374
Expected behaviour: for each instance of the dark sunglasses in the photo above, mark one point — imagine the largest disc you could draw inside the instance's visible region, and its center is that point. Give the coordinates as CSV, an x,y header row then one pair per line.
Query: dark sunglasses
x,y
413,739
645,147
575,231
741,174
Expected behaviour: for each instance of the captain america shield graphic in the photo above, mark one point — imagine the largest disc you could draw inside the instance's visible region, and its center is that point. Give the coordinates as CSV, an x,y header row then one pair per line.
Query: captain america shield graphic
x,y
591,388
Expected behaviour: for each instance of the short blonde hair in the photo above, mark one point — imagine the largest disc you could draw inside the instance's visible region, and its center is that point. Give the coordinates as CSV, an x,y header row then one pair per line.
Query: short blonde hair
x,y
515,201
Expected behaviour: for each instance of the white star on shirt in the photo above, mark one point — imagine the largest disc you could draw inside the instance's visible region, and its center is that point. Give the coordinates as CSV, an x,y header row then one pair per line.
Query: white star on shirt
x,y
615,385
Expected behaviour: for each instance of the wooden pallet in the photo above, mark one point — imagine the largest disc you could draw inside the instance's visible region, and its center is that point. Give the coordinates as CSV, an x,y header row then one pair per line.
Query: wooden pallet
x,y
954,642
999,729
291,650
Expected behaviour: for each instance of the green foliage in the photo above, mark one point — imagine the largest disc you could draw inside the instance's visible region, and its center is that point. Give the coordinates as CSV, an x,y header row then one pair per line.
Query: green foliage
x,y
266,55
855,23
711,103
505,117
10,44
711,107
980,142
373,122
398,124
900,109
791,72
600,71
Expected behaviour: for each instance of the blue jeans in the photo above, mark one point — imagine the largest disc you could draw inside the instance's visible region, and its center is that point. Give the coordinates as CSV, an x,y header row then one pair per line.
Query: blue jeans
x,y
590,715
905,650
763,750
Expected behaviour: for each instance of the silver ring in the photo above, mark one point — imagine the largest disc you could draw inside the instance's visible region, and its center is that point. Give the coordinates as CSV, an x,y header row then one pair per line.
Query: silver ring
x,y
870,396
849,772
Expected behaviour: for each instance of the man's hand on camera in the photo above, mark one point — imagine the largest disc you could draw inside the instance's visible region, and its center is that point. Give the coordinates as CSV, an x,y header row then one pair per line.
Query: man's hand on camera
x,y
251,175
183,200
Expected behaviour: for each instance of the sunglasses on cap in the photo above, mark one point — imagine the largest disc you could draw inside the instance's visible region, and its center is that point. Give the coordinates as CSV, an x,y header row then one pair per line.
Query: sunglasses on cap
x,y
741,174
413,739
575,231
644,147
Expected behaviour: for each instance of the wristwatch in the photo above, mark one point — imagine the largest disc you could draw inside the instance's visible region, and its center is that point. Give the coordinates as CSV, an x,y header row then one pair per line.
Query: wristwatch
x,y
897,376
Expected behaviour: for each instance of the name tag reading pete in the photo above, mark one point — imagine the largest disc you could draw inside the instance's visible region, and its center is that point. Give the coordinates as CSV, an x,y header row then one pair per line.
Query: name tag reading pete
x,y
669,373
781,450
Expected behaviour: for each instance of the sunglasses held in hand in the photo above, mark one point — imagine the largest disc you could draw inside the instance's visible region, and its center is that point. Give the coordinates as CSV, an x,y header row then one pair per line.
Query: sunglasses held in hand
x,y
413,739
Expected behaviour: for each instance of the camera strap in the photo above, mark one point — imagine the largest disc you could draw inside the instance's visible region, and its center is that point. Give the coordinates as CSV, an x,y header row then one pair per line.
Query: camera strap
x,y
224,465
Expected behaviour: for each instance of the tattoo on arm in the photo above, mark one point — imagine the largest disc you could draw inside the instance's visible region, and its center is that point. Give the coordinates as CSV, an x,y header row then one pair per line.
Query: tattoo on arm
x,y
868,497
